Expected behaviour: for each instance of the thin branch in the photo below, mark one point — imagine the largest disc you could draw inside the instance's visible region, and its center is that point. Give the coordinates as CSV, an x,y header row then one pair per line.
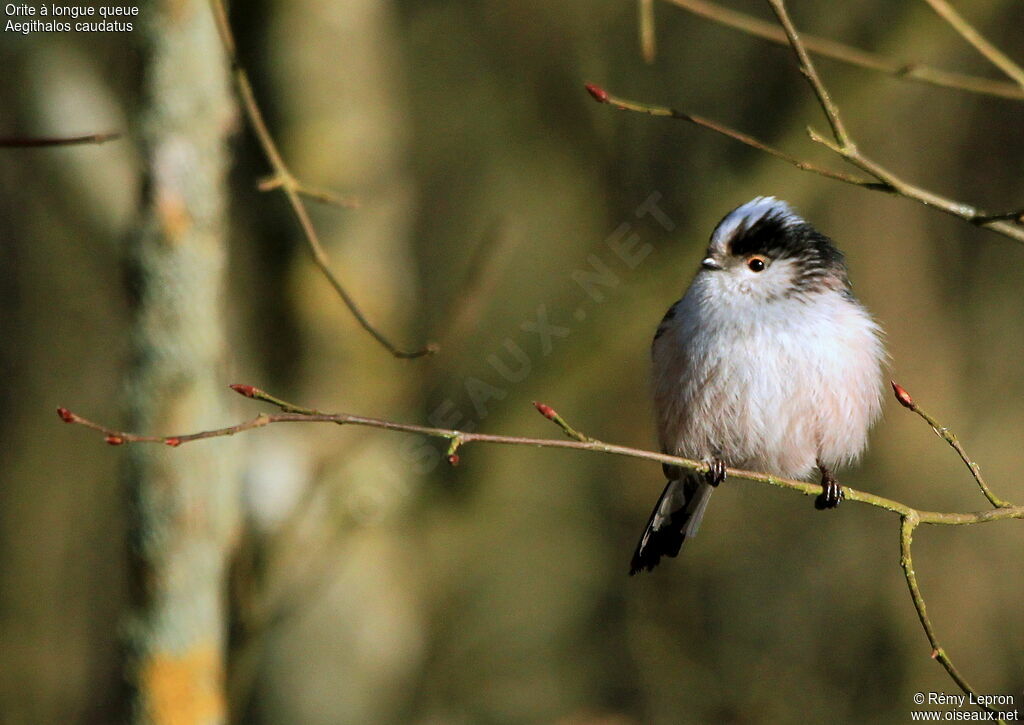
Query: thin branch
x,y
911,71
602,96
846,148
967,31
947,435
648,38
551,414
92,138
298,414
901,187
811,74
324,196
908,523
910,517
292,188
884,180
1017,216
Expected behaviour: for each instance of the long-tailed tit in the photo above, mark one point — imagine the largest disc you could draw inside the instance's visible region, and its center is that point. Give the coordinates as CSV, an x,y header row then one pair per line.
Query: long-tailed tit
x,y
767,363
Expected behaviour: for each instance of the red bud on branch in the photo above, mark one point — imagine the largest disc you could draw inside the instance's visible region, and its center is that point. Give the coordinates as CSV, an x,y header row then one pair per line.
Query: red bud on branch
x,y
598,93
247,390
903,396
114,440
546,410
66,415
453,459
173,442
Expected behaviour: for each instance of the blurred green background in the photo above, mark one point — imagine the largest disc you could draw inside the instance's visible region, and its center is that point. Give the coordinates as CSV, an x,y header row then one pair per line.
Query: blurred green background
x,y
375,584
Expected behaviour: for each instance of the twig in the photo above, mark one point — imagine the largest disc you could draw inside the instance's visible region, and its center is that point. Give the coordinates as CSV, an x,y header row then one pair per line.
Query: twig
x,y
811,74
648,38
292,188
906,189
884,180
910,517
995,56
1017,215
1009,224
551,414
908,523
602,96
324,196
92,138
911,71
846,148
947,435
298,414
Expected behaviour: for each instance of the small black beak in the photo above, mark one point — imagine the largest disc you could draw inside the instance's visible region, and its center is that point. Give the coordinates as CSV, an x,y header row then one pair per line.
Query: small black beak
x,y
710,263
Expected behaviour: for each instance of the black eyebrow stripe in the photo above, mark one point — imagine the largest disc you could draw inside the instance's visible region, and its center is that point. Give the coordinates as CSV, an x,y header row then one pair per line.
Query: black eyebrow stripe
x,y
777,236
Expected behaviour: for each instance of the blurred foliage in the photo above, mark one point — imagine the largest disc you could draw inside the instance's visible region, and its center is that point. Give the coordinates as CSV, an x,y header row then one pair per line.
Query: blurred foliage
x,y
378,585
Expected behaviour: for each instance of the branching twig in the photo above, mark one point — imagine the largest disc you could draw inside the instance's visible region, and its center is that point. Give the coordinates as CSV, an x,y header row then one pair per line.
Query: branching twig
x,y
292,188
92,138
551,414
811,74
602,96
824,47
908,523
1017,215
899,186
847,148
292,413
910,517
947,435
884,180
844,146
324,196
995,56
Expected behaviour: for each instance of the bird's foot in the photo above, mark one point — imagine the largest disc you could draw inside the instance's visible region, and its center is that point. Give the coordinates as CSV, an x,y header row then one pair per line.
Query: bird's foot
x,y
831,492
716,471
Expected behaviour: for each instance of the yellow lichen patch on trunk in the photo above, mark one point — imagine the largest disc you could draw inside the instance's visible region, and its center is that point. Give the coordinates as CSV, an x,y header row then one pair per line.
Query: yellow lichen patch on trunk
x,y
174,216
186,688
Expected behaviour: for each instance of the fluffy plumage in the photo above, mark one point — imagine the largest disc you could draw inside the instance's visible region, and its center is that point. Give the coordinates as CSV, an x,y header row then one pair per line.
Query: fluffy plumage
x,y
768,363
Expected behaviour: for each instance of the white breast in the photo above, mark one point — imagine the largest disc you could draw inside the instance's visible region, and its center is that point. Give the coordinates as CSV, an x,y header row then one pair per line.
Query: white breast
x,y
773,386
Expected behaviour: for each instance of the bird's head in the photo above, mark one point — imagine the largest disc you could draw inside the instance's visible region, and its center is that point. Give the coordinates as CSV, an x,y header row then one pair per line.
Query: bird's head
x,y
763,252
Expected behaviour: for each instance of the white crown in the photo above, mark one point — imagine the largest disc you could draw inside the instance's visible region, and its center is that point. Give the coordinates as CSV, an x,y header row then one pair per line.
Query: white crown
x,y
748,214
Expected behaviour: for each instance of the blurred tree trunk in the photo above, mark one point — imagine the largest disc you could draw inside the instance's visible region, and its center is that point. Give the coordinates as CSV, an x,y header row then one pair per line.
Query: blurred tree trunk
x,y
337,641
184,504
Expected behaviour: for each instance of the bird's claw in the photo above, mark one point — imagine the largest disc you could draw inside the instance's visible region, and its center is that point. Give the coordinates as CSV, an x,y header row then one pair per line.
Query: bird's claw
x,y
831,492
716,471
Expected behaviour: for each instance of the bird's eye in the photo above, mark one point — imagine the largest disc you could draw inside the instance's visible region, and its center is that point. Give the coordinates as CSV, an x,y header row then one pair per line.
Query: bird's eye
x,y
757,263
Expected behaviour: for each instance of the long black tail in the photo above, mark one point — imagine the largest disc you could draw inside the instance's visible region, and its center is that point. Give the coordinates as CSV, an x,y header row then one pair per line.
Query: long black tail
x,y
676,516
